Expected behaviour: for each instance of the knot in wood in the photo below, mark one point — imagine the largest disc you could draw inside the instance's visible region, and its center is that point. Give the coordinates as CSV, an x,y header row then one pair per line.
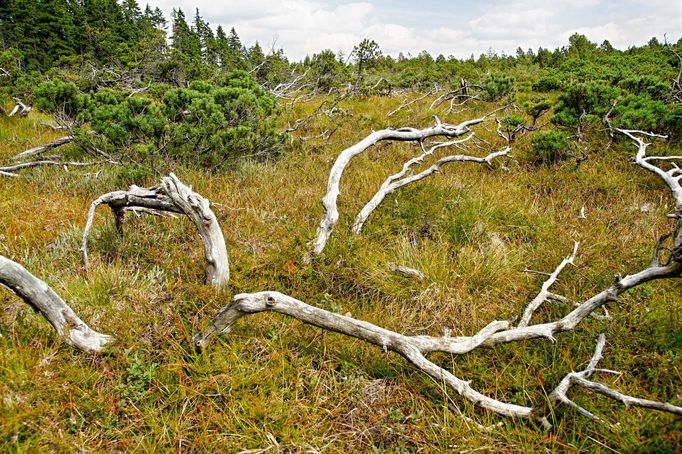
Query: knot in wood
x,y
270,301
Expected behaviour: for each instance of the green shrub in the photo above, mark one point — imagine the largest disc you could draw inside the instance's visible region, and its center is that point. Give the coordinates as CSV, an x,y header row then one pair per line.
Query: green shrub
x,y
60,98
497,86
205,124
591,99
550,147
644,113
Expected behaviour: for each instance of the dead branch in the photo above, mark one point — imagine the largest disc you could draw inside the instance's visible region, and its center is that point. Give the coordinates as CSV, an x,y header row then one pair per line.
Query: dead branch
x,y
331,214
174,197
415,348
20,108
9,170
409,103
407,272
545,294
403,178
560,393
40,149
672,177
41,297
462,93
607,121
286,89
137,91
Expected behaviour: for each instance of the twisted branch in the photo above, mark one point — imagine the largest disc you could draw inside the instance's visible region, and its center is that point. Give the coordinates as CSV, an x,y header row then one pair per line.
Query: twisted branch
x,y
174,197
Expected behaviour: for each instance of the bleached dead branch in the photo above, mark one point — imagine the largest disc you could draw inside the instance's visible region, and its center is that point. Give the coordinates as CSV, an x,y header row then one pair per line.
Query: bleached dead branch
x,y
407,103
404,177
406,271
20,109
545,294
175,197
9,171
672,177
331,215
415,348
560,393
41,297
40,149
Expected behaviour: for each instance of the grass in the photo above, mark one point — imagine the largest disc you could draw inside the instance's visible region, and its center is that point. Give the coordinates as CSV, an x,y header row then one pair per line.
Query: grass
x,y
274,382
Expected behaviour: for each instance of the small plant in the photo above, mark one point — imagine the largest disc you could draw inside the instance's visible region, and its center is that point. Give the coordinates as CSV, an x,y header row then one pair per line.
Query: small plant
x,y
139,376
550,147
497,86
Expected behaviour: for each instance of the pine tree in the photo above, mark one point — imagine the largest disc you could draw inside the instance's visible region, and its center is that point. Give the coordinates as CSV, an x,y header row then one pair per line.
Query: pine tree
x,y
235,44
207,40
155,17
184,40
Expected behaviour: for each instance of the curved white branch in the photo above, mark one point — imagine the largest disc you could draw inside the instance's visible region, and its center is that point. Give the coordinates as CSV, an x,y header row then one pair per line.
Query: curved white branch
x,y
20,108
331,214
671,177
175,197
414,348
409,347
560,393
400,179
39,295
545,294
43,148
9,170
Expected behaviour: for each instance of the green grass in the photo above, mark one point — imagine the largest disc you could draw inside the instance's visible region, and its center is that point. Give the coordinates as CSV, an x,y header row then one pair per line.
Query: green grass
x,y
472,231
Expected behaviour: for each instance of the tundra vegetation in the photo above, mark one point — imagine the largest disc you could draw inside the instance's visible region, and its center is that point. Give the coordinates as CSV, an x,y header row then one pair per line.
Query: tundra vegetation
x,y
517,218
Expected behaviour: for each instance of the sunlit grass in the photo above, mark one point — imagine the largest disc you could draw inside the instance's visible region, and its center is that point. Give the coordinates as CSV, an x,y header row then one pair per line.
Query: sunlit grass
x,y
470,230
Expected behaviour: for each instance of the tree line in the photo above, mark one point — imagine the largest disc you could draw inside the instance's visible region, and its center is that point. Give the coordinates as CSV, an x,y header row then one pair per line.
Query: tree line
x,y
188,90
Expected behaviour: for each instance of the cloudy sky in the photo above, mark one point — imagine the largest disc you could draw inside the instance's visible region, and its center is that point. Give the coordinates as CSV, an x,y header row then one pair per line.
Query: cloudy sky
x,y
452,27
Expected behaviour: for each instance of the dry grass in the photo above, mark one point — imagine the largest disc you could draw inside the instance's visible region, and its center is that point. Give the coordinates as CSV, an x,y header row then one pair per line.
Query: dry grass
x,y
277,384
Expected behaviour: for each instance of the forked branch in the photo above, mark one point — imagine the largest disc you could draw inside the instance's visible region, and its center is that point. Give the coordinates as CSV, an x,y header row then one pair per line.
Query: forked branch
x,y
19,109
545,294
404,177
671,177
414,348
560,393
175,197
329,206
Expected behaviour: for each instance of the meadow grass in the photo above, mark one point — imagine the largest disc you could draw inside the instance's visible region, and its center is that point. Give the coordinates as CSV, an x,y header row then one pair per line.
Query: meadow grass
x,y
274,382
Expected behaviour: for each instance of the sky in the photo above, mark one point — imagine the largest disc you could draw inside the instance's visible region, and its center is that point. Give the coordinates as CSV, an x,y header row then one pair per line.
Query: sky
x,y
459,28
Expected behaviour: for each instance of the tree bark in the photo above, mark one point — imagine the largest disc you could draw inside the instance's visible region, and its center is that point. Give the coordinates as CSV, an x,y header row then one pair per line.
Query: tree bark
x,y
329,206
175,197
41,297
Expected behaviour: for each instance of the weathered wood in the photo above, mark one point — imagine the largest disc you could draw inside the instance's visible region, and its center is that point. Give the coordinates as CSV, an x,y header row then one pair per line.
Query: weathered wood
x,y
403,178
406,271
20,109
414,348
40,296
9,171
331,214
560,393
40,149
175,197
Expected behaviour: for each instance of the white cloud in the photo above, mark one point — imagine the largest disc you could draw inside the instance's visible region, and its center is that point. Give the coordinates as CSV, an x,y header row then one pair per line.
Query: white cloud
x,y
303,27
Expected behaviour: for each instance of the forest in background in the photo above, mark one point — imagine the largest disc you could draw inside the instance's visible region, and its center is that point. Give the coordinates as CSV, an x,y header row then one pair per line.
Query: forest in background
x,y
105,94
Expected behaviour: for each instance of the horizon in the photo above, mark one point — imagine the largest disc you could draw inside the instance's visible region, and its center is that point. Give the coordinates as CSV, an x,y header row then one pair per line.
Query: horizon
x,y
303,27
